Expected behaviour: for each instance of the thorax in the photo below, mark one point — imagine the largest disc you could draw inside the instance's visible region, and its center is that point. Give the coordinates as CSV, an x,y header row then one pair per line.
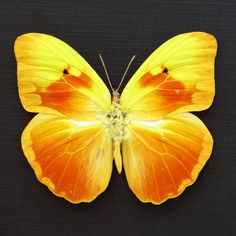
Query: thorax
x,y
116,121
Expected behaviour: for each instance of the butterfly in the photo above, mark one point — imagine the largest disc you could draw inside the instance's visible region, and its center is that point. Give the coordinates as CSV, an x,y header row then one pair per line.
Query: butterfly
x,y
147,130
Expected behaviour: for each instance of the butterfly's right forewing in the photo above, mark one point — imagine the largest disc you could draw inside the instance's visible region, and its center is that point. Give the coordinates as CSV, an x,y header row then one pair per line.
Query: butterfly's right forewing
x,y
177,77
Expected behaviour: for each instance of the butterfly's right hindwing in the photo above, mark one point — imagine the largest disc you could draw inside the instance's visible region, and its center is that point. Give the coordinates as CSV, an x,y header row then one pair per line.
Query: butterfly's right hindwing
x,y
164,157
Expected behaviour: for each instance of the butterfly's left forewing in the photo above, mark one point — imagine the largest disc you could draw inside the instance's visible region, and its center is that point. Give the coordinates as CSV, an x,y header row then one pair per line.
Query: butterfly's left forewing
x,y
54,79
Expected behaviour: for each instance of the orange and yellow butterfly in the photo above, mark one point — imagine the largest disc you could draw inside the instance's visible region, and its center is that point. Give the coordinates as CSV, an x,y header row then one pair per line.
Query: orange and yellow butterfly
x,y
81,128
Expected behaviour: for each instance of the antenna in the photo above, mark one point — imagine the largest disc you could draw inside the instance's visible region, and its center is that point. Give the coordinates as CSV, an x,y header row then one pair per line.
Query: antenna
x,y
127,68
105,69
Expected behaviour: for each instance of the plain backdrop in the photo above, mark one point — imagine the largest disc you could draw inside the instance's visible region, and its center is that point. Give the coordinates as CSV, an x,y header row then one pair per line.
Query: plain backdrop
x,y
118,30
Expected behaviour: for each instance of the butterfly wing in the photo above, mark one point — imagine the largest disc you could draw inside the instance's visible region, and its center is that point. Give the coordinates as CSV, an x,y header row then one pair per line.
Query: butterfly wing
x,y
65,143
165,150
54,79
74,159
161,158
177,77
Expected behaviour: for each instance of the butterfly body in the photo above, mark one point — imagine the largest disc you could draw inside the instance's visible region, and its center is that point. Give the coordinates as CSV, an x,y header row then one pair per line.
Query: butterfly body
x,y
116,123
147,130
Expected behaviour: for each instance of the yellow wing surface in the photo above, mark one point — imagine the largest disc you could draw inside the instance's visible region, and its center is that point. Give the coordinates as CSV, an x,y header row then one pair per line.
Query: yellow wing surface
x,y
54,79
72,157
177,77
165,150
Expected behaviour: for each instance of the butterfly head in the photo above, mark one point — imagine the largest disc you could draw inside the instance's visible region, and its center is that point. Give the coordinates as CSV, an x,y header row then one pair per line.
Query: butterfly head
x,y
115,97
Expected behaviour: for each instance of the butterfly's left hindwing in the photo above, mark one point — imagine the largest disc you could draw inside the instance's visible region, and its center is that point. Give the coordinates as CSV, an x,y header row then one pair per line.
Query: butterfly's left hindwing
x,y
73,159
54,79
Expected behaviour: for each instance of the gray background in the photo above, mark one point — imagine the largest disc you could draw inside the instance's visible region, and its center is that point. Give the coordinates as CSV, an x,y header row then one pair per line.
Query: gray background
x,y
118,30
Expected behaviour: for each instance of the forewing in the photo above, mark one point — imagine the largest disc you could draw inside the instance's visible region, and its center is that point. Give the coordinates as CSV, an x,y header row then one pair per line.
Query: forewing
x,y
162,158
53,78
177,77
74,159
